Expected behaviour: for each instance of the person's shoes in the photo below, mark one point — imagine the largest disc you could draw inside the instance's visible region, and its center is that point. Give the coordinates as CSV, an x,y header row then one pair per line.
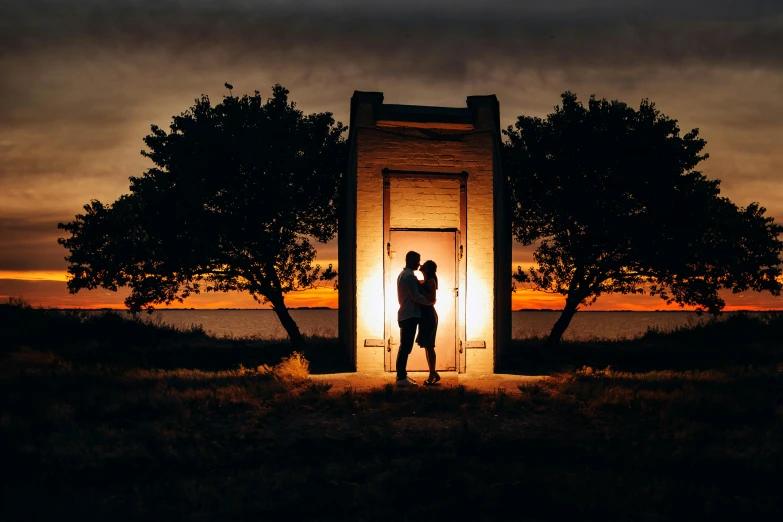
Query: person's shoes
x,y
432,380
412,379
406,383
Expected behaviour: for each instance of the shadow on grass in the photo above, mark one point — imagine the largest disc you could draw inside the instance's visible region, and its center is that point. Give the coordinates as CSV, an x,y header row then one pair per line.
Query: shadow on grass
x,y
107,419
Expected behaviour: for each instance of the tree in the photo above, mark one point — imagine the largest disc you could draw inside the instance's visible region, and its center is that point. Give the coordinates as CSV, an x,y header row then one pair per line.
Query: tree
x,y
235,194
610,197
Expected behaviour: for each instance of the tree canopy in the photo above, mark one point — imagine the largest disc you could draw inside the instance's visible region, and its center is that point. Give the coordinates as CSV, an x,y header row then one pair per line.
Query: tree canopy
x,y
236,193
611,198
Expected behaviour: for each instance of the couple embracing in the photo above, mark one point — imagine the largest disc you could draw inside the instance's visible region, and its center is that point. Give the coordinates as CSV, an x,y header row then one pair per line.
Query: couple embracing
x,y
417,312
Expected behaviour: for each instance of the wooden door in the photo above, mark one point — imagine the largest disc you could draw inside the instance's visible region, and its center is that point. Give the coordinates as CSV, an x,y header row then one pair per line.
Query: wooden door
x,y
440,246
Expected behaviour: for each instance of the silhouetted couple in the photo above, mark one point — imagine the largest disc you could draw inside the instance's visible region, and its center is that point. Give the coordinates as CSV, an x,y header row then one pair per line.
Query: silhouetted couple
x,y
417,312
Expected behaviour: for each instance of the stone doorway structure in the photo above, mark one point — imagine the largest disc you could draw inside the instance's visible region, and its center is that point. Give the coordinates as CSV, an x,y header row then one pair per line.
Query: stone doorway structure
x,y
427,179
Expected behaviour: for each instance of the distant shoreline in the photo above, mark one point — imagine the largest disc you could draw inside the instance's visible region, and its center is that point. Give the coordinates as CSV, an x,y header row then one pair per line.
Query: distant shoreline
x,y
772,310
769,310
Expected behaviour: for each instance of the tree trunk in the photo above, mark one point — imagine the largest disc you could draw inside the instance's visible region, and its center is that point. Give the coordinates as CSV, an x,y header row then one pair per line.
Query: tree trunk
x,y
562,323
291,328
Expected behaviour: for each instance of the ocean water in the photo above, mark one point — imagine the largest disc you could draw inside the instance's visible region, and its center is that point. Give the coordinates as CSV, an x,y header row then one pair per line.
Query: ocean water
x,y
264,324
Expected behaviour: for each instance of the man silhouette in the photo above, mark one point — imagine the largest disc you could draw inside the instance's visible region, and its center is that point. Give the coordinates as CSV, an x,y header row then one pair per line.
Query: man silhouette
x,y
409,314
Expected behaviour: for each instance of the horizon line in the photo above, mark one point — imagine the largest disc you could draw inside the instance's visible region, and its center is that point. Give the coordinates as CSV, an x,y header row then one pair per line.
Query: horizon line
x,y
193,309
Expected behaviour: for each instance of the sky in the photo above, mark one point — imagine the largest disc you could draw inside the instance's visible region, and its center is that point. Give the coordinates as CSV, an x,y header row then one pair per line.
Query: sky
x,y
81,81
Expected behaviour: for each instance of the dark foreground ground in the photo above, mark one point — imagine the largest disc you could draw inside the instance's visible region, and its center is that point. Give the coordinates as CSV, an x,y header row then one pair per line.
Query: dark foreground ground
x,y
105,419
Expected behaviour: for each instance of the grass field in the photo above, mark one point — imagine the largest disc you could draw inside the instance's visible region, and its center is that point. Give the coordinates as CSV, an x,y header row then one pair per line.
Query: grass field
x,y
103,418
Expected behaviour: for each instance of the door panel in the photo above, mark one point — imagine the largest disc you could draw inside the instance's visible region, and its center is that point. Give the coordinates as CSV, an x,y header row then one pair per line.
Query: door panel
x,y
439,246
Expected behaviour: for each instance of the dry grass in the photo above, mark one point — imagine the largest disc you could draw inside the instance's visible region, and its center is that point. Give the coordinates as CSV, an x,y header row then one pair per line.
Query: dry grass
x,y
93,434
293,368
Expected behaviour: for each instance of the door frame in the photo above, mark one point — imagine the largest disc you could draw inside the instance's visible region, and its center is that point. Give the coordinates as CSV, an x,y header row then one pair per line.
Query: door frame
x,y
392,339
461,253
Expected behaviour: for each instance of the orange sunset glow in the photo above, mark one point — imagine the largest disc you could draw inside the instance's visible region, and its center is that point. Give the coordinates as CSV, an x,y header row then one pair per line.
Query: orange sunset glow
x,y
47,289
81,87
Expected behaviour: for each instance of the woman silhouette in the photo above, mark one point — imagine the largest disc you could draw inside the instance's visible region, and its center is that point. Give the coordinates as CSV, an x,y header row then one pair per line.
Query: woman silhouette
x,y
428,327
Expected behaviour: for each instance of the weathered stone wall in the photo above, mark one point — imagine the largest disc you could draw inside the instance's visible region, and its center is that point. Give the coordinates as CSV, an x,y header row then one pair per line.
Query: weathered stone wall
x,y
424,203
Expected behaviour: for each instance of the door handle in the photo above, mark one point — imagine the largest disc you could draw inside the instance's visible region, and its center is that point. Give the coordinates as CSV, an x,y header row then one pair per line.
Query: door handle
x,y
456,292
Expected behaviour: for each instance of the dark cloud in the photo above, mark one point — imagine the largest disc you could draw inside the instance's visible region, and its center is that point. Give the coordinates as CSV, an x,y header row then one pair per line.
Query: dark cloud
x,y
424,38
81,81
30,243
